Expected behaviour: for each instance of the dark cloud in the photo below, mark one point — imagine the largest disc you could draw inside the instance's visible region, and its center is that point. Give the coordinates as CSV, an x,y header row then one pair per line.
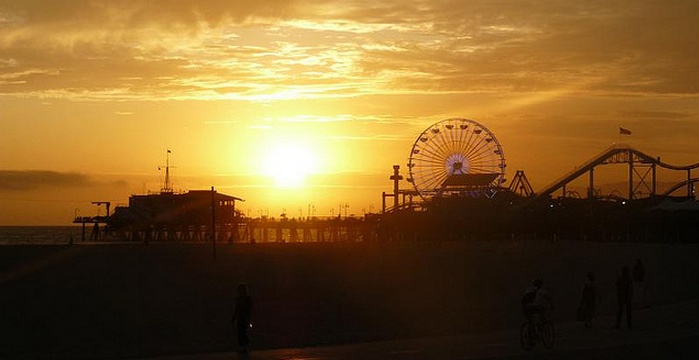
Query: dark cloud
x,y
11,180
630,47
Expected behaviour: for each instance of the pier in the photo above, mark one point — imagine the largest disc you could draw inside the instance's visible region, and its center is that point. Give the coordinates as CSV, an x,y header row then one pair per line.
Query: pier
x,y
242,230
97,233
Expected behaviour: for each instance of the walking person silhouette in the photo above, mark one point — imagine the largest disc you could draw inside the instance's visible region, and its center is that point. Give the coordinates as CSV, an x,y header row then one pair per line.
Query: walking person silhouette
x,y
639,273
241,318
624,287
588,303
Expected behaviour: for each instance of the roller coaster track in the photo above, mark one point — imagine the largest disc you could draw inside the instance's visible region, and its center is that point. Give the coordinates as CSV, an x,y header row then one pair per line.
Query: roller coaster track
x,y
679,186
617,154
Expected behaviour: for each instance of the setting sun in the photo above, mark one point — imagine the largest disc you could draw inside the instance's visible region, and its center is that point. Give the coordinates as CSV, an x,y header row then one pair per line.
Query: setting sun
x,y
288,163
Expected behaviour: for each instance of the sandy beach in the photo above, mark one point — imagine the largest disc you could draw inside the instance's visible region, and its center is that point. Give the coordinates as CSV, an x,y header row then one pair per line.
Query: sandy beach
x,y
114,301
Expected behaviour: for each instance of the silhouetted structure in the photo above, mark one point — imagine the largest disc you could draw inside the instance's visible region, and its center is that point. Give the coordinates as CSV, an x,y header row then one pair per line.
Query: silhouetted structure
x,y
520,185
172,216
642,167
449,200
456,157
478,211
96,220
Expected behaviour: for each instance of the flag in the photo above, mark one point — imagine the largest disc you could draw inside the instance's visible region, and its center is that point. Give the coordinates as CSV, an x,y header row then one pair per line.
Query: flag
x,y
623,131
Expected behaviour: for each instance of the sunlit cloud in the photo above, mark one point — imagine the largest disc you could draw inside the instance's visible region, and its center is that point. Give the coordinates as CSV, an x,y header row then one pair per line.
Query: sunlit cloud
x,y
181,51
370,138
346,26
260,127
337,118
317,118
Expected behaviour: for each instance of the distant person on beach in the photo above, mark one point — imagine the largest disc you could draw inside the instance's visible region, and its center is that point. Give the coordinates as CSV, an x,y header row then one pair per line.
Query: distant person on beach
x,y
624,288
242,316
536,300
588,303
639,274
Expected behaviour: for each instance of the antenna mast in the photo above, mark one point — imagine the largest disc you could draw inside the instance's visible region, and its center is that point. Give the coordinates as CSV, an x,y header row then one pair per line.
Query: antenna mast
x,y
167,187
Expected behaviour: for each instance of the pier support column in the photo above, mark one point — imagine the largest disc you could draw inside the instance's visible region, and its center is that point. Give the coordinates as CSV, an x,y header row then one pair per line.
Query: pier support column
x,y
396,177
630,154
689,183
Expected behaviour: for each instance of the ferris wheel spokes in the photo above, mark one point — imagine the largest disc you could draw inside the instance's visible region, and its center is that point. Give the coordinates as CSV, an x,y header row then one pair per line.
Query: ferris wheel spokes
x,y
449,155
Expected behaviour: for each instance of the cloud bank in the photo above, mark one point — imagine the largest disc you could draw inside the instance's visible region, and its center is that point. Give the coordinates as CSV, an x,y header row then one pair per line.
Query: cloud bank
x,y
14,180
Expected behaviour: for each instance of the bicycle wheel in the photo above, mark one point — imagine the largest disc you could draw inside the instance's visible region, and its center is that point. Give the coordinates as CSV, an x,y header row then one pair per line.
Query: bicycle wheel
x,y
548,335
525,336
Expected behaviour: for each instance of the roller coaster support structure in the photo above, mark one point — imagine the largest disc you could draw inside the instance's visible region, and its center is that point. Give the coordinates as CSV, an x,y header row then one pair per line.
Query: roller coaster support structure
x,y
641,174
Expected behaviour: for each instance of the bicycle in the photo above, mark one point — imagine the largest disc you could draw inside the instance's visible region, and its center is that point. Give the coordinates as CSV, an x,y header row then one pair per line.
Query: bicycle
x,y
535,331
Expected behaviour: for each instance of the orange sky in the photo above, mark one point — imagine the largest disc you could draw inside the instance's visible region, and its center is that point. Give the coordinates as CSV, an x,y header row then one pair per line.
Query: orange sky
x,y
93,93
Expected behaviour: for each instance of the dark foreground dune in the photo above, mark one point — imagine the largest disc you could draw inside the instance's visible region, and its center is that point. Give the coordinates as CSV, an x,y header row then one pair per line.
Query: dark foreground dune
x,y
122,301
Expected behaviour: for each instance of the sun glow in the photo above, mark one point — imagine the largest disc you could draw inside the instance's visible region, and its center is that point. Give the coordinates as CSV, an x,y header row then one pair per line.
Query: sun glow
x,y
288,163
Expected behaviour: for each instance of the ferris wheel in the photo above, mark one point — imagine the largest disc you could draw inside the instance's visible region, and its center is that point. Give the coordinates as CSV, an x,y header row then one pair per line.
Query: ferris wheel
x,y
456,156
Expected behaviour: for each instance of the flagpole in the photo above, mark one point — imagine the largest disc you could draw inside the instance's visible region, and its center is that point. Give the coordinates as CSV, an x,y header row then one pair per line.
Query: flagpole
x,y
618,135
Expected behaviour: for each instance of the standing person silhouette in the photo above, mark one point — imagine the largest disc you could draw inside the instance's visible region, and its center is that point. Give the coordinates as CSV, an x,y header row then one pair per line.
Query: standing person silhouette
x,y
639,275
624,287
242,316
588,303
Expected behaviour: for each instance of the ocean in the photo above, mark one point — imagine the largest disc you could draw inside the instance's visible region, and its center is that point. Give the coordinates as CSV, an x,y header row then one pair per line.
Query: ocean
x,y
41,235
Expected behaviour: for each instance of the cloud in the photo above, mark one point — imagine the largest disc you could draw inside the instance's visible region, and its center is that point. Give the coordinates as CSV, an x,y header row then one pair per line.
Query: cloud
x,y
133,13
12,180
286,49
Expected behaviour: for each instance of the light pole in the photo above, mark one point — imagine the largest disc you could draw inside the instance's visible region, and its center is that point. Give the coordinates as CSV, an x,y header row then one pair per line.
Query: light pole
x,y
213,221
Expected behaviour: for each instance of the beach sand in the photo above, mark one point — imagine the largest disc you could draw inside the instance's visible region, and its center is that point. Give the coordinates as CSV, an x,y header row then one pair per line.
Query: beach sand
x,y
132,300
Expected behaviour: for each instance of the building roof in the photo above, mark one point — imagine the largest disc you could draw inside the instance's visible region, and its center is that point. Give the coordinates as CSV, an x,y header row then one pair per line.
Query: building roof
x,y
469,180
219,196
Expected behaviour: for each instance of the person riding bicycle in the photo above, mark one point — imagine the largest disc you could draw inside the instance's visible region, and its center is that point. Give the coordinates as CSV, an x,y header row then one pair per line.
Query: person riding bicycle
x,y
536,301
